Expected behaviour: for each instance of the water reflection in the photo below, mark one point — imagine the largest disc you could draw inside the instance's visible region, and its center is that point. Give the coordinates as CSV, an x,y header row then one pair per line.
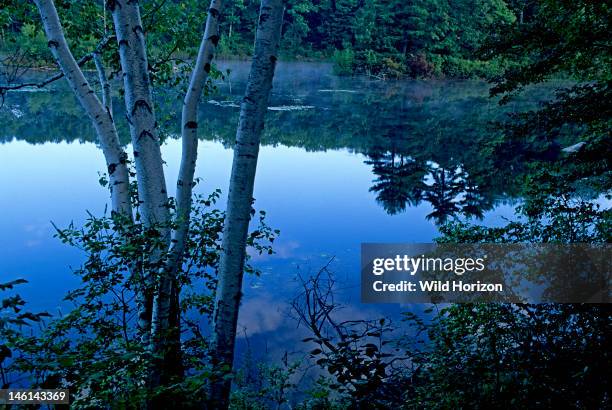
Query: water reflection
x,y
346,160
425,141
403,181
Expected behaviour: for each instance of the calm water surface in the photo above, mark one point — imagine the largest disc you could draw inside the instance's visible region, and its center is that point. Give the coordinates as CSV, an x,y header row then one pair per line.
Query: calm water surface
x,y
344,161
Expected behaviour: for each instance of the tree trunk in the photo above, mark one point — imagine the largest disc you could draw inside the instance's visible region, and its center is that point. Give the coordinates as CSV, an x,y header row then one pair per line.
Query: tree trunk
x,y
107,101
156,290
240,198
189,134
168,308
116,159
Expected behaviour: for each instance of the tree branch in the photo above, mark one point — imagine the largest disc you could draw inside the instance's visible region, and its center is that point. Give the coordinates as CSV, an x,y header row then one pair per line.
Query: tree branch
x,y
88,57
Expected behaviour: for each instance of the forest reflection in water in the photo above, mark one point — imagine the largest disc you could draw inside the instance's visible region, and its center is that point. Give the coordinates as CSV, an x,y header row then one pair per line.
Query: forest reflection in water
x,y
344,161
425,141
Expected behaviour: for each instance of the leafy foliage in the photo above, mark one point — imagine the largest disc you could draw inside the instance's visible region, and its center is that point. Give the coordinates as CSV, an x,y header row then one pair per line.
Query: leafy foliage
x,y
366,371
386,39
95,349
500,356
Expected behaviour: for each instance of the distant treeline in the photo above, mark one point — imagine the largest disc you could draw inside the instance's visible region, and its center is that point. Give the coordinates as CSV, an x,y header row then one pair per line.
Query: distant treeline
x,y
383,38
389,38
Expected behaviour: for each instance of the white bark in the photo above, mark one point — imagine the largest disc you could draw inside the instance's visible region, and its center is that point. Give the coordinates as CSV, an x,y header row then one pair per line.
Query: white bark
x,y
189,134
250,127
189,131
152,191
140,113
104,83
102,119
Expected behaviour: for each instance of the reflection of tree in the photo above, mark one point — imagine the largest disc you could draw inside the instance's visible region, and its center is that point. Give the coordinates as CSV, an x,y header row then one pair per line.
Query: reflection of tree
x,y
399,182
475,202
404,181
443,192
401,127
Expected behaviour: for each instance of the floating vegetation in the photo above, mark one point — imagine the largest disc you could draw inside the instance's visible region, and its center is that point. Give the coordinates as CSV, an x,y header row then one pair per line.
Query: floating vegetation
x,y
291,108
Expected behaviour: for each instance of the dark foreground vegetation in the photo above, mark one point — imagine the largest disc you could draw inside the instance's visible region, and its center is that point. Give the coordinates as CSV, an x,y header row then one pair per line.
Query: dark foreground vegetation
x,y
459,356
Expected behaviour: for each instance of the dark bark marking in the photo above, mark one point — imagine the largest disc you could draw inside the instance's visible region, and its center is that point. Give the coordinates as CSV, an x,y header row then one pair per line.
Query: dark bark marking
x,y
207,68
146,133
273,59
123,42
138,29
52,44
141,103
214,39
111,5
111,168
110,115
191,125
214,12
265,14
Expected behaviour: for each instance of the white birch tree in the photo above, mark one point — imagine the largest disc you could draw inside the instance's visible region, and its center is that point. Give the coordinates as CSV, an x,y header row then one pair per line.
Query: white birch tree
x,y
158,295
240,197
101,117
154,297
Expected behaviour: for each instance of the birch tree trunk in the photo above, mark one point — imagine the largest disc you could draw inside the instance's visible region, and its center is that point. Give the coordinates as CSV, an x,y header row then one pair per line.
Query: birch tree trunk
x,y
240,198
140,114
102,119
107,101
189,135
189,126
167,309
156,287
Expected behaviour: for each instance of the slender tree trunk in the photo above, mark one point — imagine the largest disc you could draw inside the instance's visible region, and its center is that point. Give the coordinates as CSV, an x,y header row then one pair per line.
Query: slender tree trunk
x,y
104,83
167,308
156,289
189,134
231,267
140,113
102,119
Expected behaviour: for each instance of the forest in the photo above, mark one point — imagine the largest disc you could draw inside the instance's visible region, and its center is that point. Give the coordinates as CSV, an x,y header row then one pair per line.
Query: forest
x,y
428,38
187,185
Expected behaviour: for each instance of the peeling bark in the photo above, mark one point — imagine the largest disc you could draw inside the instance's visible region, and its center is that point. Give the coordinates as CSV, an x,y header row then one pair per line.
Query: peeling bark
x,y
231,266
116,159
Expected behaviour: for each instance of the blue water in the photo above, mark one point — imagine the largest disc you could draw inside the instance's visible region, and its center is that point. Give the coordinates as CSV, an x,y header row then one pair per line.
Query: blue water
x,y
319,199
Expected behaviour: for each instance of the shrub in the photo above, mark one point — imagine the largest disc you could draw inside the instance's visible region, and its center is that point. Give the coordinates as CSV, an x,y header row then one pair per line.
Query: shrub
x,y
344,62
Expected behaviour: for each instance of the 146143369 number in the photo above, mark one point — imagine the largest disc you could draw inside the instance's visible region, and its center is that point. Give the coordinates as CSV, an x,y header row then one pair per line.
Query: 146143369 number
x,y
34,396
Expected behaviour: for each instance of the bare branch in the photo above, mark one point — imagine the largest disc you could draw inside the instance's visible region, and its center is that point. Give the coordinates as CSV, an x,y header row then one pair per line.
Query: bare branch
x,y
88,57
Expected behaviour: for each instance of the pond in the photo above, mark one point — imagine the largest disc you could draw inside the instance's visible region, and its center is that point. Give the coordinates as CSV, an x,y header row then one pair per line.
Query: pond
x,y
344,161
